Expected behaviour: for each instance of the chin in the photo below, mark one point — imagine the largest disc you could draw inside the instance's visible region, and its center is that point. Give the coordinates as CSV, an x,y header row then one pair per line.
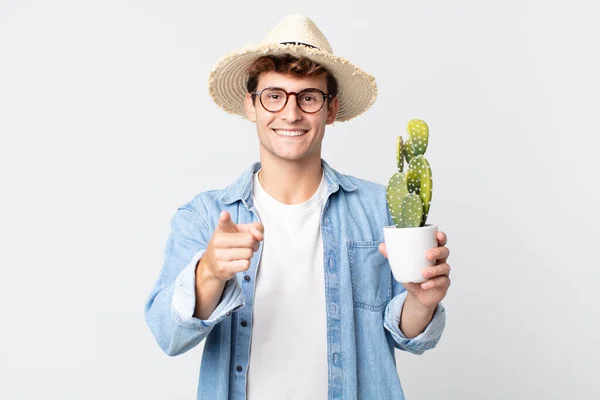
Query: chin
x,y
289,157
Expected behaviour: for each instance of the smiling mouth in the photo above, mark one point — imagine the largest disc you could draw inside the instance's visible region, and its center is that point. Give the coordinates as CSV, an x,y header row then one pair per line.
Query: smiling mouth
x,y
290,133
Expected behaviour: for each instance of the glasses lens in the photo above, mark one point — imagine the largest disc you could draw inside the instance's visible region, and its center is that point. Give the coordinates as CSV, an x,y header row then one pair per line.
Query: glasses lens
x,y
273,99
310,100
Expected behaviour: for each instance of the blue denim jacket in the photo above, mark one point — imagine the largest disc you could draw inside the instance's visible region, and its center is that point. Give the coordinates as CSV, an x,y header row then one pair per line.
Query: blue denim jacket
x,y
363,300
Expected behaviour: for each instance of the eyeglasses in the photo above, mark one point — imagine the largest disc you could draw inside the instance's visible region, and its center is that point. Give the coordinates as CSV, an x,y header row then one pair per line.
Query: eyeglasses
x,y
309,100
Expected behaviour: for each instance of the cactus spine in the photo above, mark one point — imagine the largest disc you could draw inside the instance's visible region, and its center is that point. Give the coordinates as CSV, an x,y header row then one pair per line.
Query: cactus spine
x,y
409,194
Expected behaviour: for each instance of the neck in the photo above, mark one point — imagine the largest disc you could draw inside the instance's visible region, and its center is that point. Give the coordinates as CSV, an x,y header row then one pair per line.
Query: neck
x,y
290,182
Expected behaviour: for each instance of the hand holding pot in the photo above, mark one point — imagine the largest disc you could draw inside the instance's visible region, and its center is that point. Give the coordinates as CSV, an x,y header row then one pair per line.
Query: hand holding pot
x,y
432,291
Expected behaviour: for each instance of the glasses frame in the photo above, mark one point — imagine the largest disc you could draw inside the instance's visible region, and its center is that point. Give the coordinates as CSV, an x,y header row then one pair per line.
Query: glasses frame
x,y
287,98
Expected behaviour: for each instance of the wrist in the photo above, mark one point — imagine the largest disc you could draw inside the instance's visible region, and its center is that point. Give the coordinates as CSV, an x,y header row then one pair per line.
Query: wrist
x,y
204,275
419,308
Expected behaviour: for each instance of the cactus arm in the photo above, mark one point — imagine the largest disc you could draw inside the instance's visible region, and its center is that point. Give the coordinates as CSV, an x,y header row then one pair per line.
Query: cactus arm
x,y
420,177
413,179
419,136
395,193
400,154
408,151
412,211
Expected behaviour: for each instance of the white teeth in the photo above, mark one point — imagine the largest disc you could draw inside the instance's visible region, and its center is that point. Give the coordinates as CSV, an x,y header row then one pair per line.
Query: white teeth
x,y
290,133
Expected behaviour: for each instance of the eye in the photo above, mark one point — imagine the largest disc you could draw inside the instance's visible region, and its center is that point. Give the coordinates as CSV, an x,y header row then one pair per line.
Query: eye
x,y
273,95
308,98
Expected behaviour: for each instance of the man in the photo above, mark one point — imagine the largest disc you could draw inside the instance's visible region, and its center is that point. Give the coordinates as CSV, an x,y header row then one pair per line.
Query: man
x,y
284,272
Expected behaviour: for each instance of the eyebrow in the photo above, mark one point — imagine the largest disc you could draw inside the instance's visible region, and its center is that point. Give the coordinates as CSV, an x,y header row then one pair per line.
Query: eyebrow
x,y
302,90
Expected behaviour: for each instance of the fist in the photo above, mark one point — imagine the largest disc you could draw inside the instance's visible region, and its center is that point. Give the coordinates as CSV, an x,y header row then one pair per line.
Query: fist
x,y
230,249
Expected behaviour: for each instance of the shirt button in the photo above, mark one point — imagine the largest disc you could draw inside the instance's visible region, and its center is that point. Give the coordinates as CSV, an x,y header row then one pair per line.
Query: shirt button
x,y
244,324
336,358
247,278
239,368
228,313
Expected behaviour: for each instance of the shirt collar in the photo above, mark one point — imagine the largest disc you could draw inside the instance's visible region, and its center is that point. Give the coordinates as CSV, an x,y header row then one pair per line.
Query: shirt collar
x,y
241,189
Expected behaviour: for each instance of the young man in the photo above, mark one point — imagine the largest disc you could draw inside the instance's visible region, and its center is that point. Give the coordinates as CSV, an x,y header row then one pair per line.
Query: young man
x,y
284,272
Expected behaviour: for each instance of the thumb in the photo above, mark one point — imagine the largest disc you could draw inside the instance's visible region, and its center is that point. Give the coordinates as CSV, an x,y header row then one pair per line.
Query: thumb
x,y
383,250
226,224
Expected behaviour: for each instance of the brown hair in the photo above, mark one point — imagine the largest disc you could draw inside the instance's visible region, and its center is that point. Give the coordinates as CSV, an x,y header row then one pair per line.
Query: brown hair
x,y
289,65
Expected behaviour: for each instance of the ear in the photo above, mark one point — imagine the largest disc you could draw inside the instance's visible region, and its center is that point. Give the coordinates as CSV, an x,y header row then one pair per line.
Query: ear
x,y
250,110
332,110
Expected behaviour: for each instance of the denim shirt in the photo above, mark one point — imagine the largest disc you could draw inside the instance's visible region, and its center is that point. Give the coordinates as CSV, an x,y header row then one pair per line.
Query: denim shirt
x,y
363,300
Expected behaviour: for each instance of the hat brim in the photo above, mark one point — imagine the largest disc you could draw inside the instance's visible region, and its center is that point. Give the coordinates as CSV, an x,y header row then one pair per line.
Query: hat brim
x,y
357,90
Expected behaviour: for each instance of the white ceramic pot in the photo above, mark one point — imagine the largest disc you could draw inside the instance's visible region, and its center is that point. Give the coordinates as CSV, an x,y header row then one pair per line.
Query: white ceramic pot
x,y
407,248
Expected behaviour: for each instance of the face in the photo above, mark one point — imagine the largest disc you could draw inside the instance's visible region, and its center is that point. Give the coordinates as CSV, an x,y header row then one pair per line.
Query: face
x,y
273,127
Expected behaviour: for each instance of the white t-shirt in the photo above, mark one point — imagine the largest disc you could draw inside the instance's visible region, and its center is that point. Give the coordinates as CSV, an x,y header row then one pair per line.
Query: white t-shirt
x,y
288,353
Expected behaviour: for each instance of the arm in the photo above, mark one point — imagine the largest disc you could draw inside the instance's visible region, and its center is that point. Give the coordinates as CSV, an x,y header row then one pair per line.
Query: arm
x,y
414,317
395,316
169,310
208,291
229,252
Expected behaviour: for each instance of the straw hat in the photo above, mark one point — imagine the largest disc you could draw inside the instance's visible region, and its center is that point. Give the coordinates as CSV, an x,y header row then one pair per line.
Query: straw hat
x,y
298,36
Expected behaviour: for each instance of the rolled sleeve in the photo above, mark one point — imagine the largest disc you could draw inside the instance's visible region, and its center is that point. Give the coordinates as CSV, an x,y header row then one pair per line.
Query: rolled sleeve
x,y
428,339
184,299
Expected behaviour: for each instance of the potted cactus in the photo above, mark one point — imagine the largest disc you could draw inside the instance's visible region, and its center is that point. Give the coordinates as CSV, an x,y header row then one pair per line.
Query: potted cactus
x,y
409,199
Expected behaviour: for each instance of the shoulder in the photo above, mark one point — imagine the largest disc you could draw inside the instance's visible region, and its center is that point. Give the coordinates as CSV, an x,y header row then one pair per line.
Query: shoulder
x,y
366,202
366,188
367,194
205,207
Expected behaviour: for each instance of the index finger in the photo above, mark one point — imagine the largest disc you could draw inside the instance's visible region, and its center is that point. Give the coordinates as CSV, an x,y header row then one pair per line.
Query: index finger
x,y
225,223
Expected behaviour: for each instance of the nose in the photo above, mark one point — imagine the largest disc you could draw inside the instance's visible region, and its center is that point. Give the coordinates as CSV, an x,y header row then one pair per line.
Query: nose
x,y
291,111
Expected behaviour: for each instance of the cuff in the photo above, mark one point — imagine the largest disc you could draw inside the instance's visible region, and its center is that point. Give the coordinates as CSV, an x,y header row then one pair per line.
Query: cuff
x,y
424,341
184,298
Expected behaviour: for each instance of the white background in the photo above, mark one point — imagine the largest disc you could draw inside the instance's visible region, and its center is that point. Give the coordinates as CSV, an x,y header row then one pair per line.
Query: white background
x,y
106,128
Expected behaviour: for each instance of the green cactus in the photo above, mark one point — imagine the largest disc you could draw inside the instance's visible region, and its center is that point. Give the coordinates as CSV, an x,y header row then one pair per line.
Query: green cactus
x,y
400,154
409,194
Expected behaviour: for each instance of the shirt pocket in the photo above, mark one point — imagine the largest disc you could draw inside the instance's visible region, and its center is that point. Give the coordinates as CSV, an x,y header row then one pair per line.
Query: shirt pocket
x,y
370,275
